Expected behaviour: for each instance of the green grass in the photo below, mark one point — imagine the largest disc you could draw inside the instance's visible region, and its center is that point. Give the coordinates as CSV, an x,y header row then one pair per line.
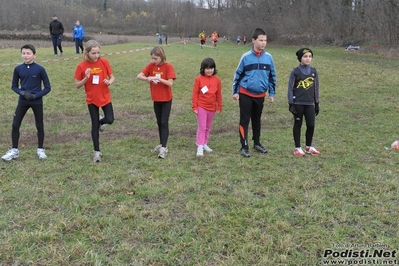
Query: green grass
x,y
222,209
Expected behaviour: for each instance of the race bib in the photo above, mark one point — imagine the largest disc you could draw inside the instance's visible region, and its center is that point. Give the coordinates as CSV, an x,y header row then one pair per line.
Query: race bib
x,y
96,79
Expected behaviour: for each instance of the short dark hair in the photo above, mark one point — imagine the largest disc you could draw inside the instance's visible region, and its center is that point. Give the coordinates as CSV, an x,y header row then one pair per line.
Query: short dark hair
x,y
257,32
30,47
208,63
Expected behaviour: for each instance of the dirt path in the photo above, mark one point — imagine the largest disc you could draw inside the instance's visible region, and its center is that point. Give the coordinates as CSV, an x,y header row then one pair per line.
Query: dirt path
x,y
43,40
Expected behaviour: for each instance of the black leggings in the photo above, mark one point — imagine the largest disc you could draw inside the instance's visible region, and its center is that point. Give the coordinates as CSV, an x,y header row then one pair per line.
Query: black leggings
x,y
308,112
250,110
162,113
96,122
19,114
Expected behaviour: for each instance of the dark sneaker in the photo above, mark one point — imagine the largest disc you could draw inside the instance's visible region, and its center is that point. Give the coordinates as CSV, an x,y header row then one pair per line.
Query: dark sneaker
x,y
245,152
259,148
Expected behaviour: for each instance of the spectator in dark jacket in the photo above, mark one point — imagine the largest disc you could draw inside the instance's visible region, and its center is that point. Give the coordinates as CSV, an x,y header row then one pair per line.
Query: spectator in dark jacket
x,y
56,31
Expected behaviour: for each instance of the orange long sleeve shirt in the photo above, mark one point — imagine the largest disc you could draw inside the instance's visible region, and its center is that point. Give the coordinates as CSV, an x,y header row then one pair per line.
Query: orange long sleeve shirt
x,y
207,93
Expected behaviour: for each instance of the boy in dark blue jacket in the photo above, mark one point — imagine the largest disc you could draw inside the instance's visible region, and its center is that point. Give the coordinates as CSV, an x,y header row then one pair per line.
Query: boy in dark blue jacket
x,y
255,77
27,82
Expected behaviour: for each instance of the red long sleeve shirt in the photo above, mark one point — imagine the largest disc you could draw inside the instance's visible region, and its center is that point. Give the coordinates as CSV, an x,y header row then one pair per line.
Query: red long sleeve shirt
x,y
207,93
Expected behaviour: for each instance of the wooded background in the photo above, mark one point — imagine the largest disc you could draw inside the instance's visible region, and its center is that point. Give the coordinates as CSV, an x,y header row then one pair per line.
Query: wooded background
x,y
334,22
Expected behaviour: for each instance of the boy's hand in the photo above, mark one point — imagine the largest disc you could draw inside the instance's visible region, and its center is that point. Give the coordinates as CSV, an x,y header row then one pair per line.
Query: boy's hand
x,y
236,97
28,96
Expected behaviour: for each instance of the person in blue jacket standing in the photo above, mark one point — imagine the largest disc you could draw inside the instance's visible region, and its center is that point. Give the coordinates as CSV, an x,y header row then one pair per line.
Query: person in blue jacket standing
x,y
31,83
159,38
255,77
78,35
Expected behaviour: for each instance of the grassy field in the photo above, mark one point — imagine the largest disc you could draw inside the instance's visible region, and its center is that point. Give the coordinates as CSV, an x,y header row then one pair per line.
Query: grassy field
x,y
222,209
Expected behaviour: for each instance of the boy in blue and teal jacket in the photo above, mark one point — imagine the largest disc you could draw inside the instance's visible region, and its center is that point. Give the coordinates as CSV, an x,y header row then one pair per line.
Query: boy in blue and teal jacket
x,y
255,77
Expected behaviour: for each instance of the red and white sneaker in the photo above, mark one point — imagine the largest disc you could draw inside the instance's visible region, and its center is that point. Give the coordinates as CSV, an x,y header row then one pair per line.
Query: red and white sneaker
x,y
299,152
311,150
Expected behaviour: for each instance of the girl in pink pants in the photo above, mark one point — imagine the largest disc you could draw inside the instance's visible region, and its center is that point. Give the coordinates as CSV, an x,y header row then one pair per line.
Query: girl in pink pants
x,y
206,101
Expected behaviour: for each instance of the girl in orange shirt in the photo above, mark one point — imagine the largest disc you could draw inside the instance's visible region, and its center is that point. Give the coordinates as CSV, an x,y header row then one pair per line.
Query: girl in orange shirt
x,y
160,75
96,75
206,101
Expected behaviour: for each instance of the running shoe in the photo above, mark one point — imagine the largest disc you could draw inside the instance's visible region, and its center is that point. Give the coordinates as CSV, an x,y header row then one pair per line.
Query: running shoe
x,y
10,154
245,152
200,151
41,154
207,149
102,127
97,156
162,152
259,148
311,150
299,152
157,148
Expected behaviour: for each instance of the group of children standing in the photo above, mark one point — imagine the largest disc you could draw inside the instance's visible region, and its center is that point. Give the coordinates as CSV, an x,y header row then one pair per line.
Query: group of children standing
x,y
255,77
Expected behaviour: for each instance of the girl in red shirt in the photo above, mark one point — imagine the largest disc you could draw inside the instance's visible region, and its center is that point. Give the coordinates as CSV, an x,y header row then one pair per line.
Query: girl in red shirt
x,y
206,101
96,75
160,75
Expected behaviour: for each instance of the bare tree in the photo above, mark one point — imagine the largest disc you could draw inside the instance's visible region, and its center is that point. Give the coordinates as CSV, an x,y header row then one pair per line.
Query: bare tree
x,y
336,22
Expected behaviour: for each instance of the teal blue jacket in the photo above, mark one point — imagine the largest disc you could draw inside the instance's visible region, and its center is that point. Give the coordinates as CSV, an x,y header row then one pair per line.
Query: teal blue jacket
x,y
256,74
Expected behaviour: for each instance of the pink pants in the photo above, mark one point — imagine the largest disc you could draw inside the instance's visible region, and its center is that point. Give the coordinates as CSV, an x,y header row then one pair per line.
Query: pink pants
x,y
205,120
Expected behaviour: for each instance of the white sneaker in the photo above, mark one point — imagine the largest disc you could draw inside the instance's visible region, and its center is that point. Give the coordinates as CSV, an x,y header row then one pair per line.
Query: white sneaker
x,y
312,150
102,127
162,152
10,154
157,148
41,154
97,156
299,152
200,151
207,149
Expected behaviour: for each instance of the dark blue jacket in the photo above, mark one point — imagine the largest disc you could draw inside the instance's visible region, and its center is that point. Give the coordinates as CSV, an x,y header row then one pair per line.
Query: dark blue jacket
x,y
30,78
